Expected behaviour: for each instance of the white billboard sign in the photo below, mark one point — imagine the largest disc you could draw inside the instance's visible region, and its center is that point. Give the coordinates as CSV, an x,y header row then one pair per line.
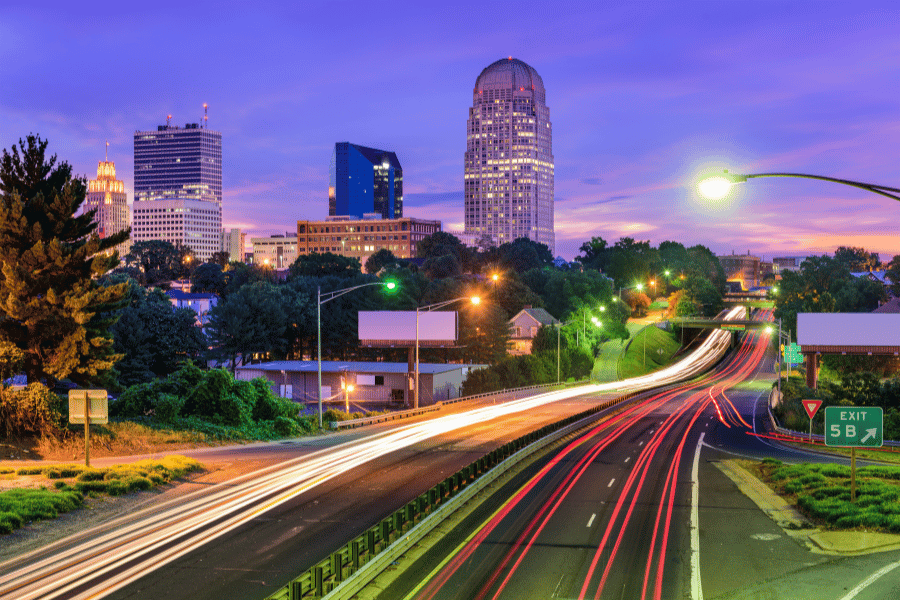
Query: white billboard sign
x,y
848,329
398,327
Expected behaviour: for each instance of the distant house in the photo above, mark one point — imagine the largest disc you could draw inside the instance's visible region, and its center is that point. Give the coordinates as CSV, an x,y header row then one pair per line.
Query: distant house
x,y
877,276
199,303
891,306
524,326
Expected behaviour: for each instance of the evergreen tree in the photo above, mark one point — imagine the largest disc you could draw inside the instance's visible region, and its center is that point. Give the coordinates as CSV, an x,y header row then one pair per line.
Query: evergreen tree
x,y
51,307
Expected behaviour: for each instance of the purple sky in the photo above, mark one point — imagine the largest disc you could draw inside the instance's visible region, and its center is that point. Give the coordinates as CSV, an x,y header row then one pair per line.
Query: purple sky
x,y
642,95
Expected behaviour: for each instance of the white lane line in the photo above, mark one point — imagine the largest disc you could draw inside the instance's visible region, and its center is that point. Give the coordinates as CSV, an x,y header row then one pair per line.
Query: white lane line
x,y
870,580
641,443
627,459
696,586
591,521
611,481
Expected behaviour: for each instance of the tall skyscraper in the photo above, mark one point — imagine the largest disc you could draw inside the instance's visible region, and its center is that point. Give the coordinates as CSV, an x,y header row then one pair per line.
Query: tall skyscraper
x,y
106,195
178,187
363,181
509,156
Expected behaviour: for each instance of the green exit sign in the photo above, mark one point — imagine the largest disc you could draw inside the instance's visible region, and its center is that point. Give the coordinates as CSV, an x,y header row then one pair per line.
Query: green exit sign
x,y
854,426
737,327
792,354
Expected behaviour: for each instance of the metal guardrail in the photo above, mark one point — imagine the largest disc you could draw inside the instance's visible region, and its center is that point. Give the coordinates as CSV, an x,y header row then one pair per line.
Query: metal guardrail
x,y
394,534
502,395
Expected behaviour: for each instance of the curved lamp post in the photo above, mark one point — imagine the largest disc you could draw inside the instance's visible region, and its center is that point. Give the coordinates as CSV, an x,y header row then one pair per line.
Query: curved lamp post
x,y
328,297
717,186
427,308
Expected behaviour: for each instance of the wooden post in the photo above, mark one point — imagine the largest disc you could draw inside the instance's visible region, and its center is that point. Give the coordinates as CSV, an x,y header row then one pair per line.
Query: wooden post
x,y
853,474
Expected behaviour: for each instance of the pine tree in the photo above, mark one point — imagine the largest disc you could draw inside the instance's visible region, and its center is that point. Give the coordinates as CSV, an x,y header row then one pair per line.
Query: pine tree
x,y
51,306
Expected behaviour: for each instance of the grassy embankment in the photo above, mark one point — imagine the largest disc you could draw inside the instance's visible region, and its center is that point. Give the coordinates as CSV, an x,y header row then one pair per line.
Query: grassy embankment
x,y
20,506
661,346
822,493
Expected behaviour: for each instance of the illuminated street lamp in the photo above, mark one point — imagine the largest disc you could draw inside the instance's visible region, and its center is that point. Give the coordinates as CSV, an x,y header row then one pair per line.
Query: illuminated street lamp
x,y
430,307
322,299
718,186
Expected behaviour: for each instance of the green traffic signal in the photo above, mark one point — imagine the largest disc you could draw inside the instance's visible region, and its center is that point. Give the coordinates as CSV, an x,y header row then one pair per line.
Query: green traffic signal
x,y
391,285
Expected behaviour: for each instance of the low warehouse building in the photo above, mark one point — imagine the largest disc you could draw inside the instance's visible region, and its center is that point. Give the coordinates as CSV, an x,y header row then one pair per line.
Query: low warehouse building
x,y
373,382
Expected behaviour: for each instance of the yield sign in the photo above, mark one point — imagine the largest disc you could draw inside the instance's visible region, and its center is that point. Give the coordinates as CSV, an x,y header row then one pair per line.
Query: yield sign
x,y
811,406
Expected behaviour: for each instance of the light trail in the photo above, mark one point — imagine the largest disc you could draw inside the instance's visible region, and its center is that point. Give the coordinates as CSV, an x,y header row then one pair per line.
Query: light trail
x,y
119,555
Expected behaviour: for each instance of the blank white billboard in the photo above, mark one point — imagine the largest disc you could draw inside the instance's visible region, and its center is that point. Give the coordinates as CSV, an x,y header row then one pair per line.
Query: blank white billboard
x,y
848,329
400,326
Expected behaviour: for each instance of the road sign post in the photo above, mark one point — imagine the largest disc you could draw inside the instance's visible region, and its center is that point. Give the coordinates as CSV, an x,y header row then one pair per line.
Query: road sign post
x,y
854,427
811,407
87,406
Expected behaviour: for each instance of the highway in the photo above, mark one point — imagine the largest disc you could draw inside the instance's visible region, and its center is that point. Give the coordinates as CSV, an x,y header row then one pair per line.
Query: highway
x,y
245,538
634,507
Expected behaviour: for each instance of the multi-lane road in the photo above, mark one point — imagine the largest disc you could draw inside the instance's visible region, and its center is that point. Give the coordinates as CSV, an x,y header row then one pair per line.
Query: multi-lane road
x,y
618,496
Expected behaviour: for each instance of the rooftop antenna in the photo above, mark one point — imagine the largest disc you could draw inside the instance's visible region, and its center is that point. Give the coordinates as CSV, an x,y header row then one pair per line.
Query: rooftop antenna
x,y
205,116
168,120
107,150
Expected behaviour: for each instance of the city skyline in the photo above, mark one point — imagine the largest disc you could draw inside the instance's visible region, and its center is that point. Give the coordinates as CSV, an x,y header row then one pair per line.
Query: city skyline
x,y
645,97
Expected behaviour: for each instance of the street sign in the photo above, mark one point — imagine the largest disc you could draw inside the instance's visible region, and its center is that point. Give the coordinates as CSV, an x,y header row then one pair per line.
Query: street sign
x,y
95,399
811,407
792,354
854,426
734,327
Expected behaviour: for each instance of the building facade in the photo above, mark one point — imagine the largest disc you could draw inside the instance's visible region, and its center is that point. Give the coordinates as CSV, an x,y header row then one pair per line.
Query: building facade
x,y
192,223
107,196
741,268
277,251
179,167
360,238
231,242
509,157
364,180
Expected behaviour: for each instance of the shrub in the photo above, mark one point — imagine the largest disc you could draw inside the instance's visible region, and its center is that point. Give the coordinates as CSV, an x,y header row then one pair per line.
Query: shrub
x,y
285,427
34,410
136,401
167,407
205,399
268,406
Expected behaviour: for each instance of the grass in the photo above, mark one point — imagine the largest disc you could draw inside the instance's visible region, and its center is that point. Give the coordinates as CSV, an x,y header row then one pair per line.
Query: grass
x,y
660,348
822,493
20,506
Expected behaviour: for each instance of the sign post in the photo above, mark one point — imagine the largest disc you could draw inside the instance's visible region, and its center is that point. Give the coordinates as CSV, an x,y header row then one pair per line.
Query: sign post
x,y
854,427
811,407
87,406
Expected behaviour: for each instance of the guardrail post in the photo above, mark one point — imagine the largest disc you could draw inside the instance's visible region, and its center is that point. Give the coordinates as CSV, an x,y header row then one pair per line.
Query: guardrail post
x,y
295,591
354,554
337,566
371,543
386,531
318,582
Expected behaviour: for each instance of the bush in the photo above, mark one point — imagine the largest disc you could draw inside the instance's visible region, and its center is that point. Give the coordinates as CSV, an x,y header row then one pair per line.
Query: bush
x,y
268,406
205,399
167,407
136,401
286,427
34,410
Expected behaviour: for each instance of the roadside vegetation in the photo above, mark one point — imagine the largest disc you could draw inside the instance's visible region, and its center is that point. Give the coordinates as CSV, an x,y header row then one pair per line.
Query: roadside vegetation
x,y
71,483
650,349
822,493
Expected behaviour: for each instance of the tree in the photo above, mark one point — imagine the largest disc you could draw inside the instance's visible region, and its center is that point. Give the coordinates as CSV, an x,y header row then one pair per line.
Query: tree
x,y
523,254
220,258
154,337
594,254
156,261
441,267
892,272
323,264
380,260
208,277
250,320
440,244
51,307
857,259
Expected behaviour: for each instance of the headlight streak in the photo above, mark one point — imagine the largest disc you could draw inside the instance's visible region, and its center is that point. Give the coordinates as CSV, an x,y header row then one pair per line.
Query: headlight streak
x,y
122,555
532,530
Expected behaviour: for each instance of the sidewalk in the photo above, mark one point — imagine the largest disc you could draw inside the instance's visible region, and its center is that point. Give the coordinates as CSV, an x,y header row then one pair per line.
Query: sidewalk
x,y
606,365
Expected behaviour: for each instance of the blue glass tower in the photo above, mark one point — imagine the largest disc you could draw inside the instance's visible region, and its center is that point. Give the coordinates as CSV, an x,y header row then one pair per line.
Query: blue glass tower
x,y
364,180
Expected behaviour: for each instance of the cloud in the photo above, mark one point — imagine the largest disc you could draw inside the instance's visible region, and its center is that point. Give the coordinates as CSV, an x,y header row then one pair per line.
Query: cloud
x,y
592,181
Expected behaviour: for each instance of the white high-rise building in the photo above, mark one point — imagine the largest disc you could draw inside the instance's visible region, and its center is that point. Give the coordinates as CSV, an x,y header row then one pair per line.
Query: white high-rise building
x,y
178,187
509,157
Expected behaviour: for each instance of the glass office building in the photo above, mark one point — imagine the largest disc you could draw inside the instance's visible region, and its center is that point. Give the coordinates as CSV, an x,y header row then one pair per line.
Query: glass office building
x,y
364,181
179,167
509,157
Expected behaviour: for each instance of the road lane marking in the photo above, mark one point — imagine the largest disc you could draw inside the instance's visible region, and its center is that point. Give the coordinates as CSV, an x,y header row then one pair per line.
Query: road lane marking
x,y
591,521
642,443
696,585
627,459
611,481
870,580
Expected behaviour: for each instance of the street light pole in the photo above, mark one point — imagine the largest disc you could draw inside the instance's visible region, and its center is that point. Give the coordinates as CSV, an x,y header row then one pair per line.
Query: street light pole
x,y
717,186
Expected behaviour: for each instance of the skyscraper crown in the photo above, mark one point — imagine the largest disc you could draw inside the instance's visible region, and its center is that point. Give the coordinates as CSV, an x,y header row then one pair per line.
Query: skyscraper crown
x,y
510,74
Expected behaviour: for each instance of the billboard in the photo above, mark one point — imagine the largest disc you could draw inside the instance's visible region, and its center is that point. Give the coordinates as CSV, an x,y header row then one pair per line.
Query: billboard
x,y
398,328
848,329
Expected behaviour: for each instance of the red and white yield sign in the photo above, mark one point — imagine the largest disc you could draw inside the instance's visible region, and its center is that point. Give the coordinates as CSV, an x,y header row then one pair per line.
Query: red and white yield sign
x,y
811,406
